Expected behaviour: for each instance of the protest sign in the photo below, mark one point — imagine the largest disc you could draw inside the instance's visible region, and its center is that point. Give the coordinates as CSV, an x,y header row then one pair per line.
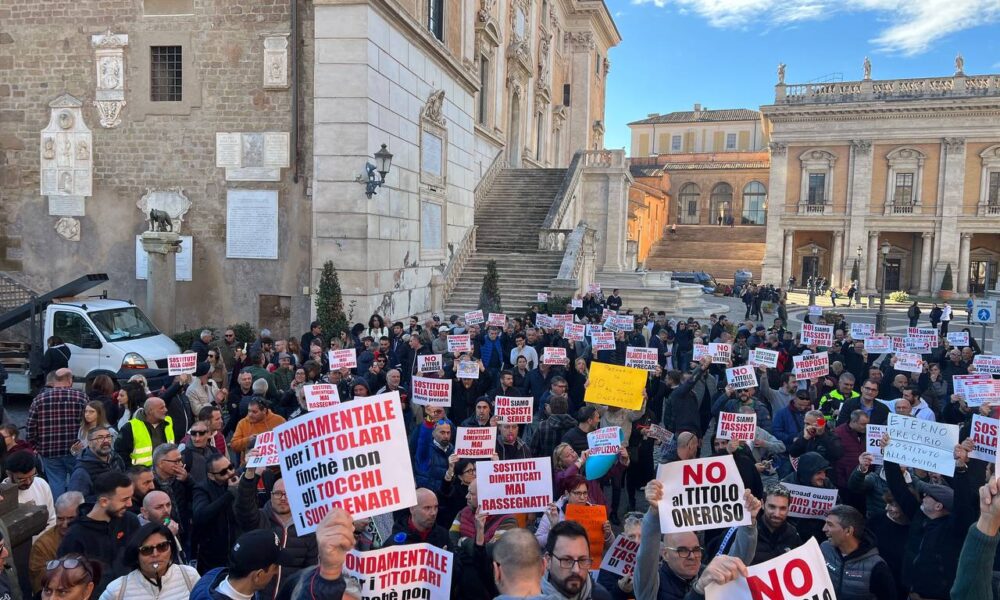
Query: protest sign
x,y
545,321
409,571
898,343
810,502
821,335
741,377
591,329
962,382
641,358
919,345
985,363
807,366
607,313
700,351
958,338
564,319
427,391
576,303
620,557
873,441
977,392
353,456
429,363
593,518
815,311
737,426
474,317
497,320
266,454
799,573
721,353
553,355
475,442
623,322
862,331
593,288
922,444
909,362
604,445
180,364
604,340
468,369
702,493
343,359
759,357
513,409
574,332
928,332
878,344
542,297
660,434
984,438
514,486
458,343
614,385
320,395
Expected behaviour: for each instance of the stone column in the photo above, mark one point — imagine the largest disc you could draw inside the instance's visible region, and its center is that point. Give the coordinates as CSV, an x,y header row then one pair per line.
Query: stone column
x,y
776,266
947,249
963,264
924,288
786,262
871,278
161,278
836,261
859,194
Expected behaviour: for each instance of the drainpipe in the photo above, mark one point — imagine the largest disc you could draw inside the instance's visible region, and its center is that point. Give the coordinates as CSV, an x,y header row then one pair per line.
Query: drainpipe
x,y
294,133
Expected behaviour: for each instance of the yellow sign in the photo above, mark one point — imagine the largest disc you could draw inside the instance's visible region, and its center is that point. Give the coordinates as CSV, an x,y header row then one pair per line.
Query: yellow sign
x,y
615,385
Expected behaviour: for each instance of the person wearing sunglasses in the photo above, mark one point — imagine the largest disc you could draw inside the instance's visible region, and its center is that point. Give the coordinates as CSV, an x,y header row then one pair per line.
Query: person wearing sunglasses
x,y
156,572
215,528
71,577
196,449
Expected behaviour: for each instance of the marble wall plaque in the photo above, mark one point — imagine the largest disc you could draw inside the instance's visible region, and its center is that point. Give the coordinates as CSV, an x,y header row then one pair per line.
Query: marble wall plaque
x,y
227,150
67,206
185,259
109,62
234,150
66,150
252,224
430,154
430,226
253,174
276,62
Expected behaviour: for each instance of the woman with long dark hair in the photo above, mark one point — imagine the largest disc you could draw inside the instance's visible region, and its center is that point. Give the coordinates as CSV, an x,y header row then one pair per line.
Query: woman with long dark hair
x,y
156,572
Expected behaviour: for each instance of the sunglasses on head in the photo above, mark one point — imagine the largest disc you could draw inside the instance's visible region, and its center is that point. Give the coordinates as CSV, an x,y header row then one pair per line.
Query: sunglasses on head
x,y
149,550
70,562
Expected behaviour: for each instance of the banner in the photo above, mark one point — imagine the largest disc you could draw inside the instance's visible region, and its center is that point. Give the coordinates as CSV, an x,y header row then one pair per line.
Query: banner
x,y
972,386
721,353
497,320
513,409
614,385
475,442
927,332
911,363
343,359
641,358
799,573
427,391
458,343
807,366
759,357
468,369
267,451
320,396
604,340
741,377
593,518
922,444
810,502
700,351
873,441
862,331
429,363
554,355
353,456
513,486
821,335
574,332
181,364
702,493
878,344
604,445
984,438
737,426
985,363
410,571
620,557
474,317
958,338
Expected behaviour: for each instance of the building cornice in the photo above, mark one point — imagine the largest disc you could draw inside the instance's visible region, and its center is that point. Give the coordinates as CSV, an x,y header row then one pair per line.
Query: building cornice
x,y
869,111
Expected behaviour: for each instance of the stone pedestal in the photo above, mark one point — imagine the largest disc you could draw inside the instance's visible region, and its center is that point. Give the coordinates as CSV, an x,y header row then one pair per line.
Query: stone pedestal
x,y
161,282
19,523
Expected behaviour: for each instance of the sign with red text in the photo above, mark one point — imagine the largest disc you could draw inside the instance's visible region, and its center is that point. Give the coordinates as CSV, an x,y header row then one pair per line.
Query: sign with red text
x,y
660,434
553,355
409,571
604,340
815,310
623,322
862,331
810,502
976,393
958,338
514,486
353,456
542,297
514,409
985,363
429,363
575,332
343,359
458,343
799,573
428,391
321,395
878,344
909,362
545,321
807,366
922,444
741,427
181,364
607,313
984,438
593,288
641,358
620,557
873,441
266,454
564,320
741,377
474,317
700,351
468,369
761,357
976,381
702,493
475,442
898,343
497,320
821,335
721,353
919,345
925,332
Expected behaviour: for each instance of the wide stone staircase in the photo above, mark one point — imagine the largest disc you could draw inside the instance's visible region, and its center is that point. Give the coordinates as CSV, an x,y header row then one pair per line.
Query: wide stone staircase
x,y
719,251
508,220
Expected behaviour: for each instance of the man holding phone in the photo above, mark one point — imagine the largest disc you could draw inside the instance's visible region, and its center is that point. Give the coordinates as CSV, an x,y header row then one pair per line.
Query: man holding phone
x,y
816,438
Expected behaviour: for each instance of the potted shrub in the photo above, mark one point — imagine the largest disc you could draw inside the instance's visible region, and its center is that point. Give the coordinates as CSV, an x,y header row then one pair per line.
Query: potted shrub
x,y
947,286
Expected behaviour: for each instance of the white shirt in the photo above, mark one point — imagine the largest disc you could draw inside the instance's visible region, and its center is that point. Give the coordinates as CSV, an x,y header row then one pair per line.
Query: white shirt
x,y
228,590
946,313
39,494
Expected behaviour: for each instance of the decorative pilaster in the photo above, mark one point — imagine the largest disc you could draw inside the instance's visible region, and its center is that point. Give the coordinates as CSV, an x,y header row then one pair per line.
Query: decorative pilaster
x,y
871,279
963,264
836,262
924,287
109,58
786,264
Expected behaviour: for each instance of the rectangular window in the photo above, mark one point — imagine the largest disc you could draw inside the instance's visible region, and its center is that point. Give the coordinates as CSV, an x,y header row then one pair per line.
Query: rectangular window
x,y
817,188
692,208
484,76
435,18
565,94
730,141
994,191
165,74
675,143
903,194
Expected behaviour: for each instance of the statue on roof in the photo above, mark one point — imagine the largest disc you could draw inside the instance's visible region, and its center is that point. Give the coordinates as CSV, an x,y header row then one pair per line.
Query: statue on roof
x,y
781,73
868,69
959,64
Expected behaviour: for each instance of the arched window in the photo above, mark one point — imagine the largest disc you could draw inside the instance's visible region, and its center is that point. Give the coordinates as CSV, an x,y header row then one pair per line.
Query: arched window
x,y
754,204
722,204
688,210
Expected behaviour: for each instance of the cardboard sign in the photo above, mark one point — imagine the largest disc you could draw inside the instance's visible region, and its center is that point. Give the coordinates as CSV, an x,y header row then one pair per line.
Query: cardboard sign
x,y
593,519
409,571
821,335
958,338
660,434
593,328
810,502
514,486
475,442
862,331
721,353
624,322
497,320
760,357
984,438
353,456
429,363
898,343
909,362
605,340
459,343
815,311
514,409
614,385
702,493
700,351
320,396
800,573
922,444
985,363
468,369
918,345
542,297
878,344
641,358
873,441
554,355
180,364
343,359
267,451
574,332
808,366
576,303
427,391
620,557
928,332
474,317
741,377
737,426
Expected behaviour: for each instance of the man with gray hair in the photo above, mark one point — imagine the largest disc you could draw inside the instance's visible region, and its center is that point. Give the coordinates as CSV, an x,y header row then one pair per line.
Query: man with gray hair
x,y
518,566
200,345
171,478
832,402
45,548
149,428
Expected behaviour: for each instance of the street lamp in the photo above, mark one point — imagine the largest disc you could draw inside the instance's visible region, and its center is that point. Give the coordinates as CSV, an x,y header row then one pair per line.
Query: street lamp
x,y
813,279
880,317
383,161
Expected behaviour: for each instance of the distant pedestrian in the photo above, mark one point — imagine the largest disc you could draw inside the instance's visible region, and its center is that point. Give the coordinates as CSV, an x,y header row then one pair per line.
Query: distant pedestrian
x,y
913,313
851,292
968,309
945,318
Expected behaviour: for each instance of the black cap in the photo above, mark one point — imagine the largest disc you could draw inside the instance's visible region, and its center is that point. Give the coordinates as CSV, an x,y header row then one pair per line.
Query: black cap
x,y
201,370
259,549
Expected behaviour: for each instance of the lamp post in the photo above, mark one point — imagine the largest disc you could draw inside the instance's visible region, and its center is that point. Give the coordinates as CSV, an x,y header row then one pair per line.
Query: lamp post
x,y
880,317
813,281
383,162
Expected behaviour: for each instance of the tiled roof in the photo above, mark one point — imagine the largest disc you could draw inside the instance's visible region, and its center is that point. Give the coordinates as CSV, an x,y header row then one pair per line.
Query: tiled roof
x,y
688,116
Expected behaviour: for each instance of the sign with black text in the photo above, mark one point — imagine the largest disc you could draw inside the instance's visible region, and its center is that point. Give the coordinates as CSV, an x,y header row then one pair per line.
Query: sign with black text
x,y
702,493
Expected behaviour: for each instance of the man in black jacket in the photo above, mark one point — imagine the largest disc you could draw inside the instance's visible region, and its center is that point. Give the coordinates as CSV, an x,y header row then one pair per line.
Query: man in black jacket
x,y
421,526
97,458
775,535
215,528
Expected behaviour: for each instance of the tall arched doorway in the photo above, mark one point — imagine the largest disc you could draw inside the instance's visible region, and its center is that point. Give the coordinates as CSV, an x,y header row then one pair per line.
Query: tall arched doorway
x,y
722,204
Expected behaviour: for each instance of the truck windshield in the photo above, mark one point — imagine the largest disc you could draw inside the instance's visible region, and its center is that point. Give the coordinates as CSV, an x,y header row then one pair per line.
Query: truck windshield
x,y
119,324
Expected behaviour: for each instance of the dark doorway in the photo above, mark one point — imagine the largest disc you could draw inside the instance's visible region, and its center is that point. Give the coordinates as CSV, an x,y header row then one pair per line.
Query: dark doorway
x,y
891,274
810,268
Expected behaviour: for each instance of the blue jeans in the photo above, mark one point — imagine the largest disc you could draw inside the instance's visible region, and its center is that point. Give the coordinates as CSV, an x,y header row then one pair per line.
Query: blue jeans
x,y
57,472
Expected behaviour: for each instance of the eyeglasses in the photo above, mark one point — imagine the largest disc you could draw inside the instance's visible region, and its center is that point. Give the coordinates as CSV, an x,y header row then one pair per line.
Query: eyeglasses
x,y
568,562
469,471
633,515
230,335
279,494
212,355
149,550
27,480
579,494
685,552
101,438
198,432
228,469
172,460
69,562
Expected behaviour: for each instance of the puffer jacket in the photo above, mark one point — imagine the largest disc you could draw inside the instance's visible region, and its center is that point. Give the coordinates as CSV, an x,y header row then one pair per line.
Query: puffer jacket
x,y
432,459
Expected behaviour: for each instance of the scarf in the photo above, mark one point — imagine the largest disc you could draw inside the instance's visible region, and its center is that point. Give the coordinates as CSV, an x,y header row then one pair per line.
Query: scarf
x,y
584,594
467,524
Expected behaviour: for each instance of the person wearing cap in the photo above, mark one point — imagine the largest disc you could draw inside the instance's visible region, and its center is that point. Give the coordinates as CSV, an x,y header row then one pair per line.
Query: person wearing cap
x,y
284,373
255,561
856,569
201,391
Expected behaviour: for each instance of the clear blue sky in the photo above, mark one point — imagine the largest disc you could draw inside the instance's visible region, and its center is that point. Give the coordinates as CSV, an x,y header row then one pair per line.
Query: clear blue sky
x,y
724,53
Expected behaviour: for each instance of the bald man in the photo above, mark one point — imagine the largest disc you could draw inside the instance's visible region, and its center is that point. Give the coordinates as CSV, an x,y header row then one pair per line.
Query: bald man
x,y
687,448
54,425
149,428
422,525
517,565
156,508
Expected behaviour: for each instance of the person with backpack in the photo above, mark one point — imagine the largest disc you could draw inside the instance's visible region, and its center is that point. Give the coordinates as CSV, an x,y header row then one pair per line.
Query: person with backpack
x,y
913,314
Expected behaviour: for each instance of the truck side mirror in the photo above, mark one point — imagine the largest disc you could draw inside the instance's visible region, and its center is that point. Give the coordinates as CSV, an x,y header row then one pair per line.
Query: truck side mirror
x,y
91,342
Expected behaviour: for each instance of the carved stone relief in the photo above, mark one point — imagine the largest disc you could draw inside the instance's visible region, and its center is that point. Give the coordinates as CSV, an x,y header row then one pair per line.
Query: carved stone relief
x,y
68,228
433,109
276,61
66,150
171,201
109,60
580,41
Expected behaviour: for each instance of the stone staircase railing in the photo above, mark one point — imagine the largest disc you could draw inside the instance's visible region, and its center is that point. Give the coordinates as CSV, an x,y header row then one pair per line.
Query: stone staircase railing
x,y
486,183
457,263
576,269
566,209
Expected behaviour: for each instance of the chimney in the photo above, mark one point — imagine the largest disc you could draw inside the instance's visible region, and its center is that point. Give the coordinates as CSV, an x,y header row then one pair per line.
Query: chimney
x,y
651,115
697,107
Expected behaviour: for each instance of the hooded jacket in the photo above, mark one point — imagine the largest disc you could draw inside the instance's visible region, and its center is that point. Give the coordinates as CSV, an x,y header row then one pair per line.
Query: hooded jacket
x,y
88,468
103,541
208,586
810,463
431,459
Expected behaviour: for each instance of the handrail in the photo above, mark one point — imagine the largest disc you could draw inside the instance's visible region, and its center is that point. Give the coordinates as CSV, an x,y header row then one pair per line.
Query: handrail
x,y
457,263
486,183
567,190
578,242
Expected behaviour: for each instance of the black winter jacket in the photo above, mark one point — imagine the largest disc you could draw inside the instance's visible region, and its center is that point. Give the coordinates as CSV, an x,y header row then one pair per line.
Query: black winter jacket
x,y
101,541
214,529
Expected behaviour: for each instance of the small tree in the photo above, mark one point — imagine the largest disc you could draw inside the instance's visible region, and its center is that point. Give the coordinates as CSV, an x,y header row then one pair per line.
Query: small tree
x,y
946,283
330,303
855,273
489,297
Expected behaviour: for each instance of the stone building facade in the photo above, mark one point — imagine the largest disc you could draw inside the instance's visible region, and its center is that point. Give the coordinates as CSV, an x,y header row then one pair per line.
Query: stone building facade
x,y
911,165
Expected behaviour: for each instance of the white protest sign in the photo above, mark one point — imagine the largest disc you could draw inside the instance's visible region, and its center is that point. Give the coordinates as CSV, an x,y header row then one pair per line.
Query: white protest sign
x,y
919,345
458,343
760,357
658,433
564,319
606,440
514,409
815,311
429,363
702,493
593,288
810,502
737,426
593,328
862,331
821,335
641,358
909,362
624,322
574,332
545,321
721,353
542,297
962,383
267,451
475,442
977,392
514,486
898,343
604,340
468,369
878,344
741,377
497,320
620,557
474,317
353,456
320,395
343,359
928,332
576,303
180,364
811,365
700,351
607,313
407,571
799,573
922,444
427,391
554,355
984,438
985,363
873,441
958,338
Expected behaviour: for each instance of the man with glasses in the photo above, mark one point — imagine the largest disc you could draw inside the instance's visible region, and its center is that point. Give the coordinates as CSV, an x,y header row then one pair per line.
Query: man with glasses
x,y
45,547
97,458
568,575
170,477
227,348
21,472
196,451
214,526
878,413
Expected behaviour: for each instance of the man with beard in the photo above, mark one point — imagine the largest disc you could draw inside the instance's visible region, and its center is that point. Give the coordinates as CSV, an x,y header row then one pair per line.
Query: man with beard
x,y
214,527
775,535
98,458
21,471
568,574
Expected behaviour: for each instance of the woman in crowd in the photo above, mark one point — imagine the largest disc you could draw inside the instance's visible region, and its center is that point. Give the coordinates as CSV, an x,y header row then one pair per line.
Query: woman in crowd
x,y
577,491
577,380
454,491
568,464
71,577
130,399
156,574
217,369
102,388
93,416
377,328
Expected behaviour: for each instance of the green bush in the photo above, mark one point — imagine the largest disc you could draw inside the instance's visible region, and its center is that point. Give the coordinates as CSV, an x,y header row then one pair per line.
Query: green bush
x,y
489,295
900,297
184,339
330,303
946,283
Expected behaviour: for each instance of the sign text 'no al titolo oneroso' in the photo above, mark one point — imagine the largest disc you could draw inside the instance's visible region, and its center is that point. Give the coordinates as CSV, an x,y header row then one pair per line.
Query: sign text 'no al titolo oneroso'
x,y
798,574
702,493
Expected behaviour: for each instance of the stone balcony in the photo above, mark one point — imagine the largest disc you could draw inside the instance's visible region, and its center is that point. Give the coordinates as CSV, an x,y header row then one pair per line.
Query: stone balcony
x,y
958,86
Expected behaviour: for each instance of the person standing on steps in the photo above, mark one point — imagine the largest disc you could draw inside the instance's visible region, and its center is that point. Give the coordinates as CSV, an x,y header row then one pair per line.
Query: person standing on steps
x,y
913,314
